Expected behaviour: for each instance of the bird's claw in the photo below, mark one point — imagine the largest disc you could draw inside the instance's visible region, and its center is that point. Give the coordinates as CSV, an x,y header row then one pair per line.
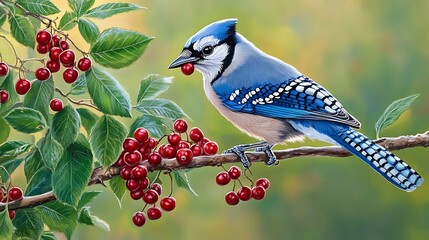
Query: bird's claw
x,y
239,151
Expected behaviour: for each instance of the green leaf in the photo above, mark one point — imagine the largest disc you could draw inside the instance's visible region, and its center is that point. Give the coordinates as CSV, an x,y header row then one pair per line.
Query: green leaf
x,y
28,224
89,30
110,9
3,16
88,118
6,227
39,96
118,48
80,7
43,7
51,150
86,198
26,120
33,162
79,86
393,112
106,139
12,149
68,21
182,181
160,107
5,130
59,217
151,123
40,182
9,85
10,166
48,236
118,187
108,95
72,173
65,125
22,30
152,86
87,218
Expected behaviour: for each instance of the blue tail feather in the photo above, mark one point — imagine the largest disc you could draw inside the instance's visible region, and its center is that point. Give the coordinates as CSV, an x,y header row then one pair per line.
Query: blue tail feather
x,y
391,167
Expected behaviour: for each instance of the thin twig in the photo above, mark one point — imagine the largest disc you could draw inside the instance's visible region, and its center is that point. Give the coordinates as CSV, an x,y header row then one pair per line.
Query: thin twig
x,y
78,102
99,175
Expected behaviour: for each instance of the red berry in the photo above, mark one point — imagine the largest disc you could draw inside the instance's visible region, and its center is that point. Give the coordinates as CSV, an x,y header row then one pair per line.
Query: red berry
x,y
133,184
53,65
55,52
126,172
42,74
139,219
67,58
130,144
180,126
244,193
211,148
174,139
154,213
84,64
155,159
150,196
183,144
231,198
168,204
43,37
141,135
234,172
132,158
120,162
4,96
139,172
22,86
64,45
15,193
56,41
137,194
144,184
70,75
187,68
4,69
197,150
203,141
161,149
11,214
263,182
184,156
258,192
151,143
168,151
157,187
223,178
42,48
56,105
195,134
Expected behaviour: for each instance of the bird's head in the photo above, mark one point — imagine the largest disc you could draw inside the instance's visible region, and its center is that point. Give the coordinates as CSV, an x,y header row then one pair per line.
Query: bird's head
x,y
210,50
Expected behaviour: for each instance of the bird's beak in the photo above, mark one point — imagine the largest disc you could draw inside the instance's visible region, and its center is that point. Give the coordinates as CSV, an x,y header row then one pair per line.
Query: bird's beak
x,y
185,57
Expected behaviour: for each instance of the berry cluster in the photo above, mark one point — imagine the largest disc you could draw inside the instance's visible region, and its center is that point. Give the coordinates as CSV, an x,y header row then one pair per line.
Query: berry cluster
x,y
245,193
4,94
142,149
14,194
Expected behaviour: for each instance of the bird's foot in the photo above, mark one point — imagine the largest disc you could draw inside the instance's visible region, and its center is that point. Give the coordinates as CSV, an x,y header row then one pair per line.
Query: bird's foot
x,y
239,151
272,160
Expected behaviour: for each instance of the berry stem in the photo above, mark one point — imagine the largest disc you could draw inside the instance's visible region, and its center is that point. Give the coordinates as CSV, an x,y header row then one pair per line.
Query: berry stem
x,y
82,102
171,184
249,178
156,178
13,48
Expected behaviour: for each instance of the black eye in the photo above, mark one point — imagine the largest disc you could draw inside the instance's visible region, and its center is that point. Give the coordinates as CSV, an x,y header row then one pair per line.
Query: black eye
x,y
207,50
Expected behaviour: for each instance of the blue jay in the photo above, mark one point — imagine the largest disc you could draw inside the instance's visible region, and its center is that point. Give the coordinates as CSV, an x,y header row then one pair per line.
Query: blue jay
x,y
272,101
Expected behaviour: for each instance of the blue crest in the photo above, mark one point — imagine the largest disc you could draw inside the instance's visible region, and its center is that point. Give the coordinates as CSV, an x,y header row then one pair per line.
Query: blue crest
x,y
220,30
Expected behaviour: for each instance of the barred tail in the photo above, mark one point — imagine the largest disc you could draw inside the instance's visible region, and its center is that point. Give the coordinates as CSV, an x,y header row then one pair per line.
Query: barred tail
x,y
384,162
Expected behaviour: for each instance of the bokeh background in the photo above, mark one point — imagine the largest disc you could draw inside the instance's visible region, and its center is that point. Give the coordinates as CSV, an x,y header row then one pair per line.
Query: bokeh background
x,y
367,53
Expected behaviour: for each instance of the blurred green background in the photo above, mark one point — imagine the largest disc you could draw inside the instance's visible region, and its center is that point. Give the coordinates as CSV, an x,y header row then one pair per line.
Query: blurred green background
x,y
367,53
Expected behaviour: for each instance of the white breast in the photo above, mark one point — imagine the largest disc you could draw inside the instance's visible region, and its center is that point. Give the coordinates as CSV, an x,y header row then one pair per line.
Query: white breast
x,y
267,129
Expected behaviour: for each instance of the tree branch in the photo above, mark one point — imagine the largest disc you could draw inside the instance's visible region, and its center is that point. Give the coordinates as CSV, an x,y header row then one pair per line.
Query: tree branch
x,y
99,175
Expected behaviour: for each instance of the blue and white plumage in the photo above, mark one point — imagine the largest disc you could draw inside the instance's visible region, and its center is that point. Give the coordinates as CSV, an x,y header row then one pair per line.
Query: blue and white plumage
x,y
272,101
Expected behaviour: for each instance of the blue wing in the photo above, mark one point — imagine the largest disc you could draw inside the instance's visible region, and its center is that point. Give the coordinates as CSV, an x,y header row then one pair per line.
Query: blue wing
x,y
299,98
